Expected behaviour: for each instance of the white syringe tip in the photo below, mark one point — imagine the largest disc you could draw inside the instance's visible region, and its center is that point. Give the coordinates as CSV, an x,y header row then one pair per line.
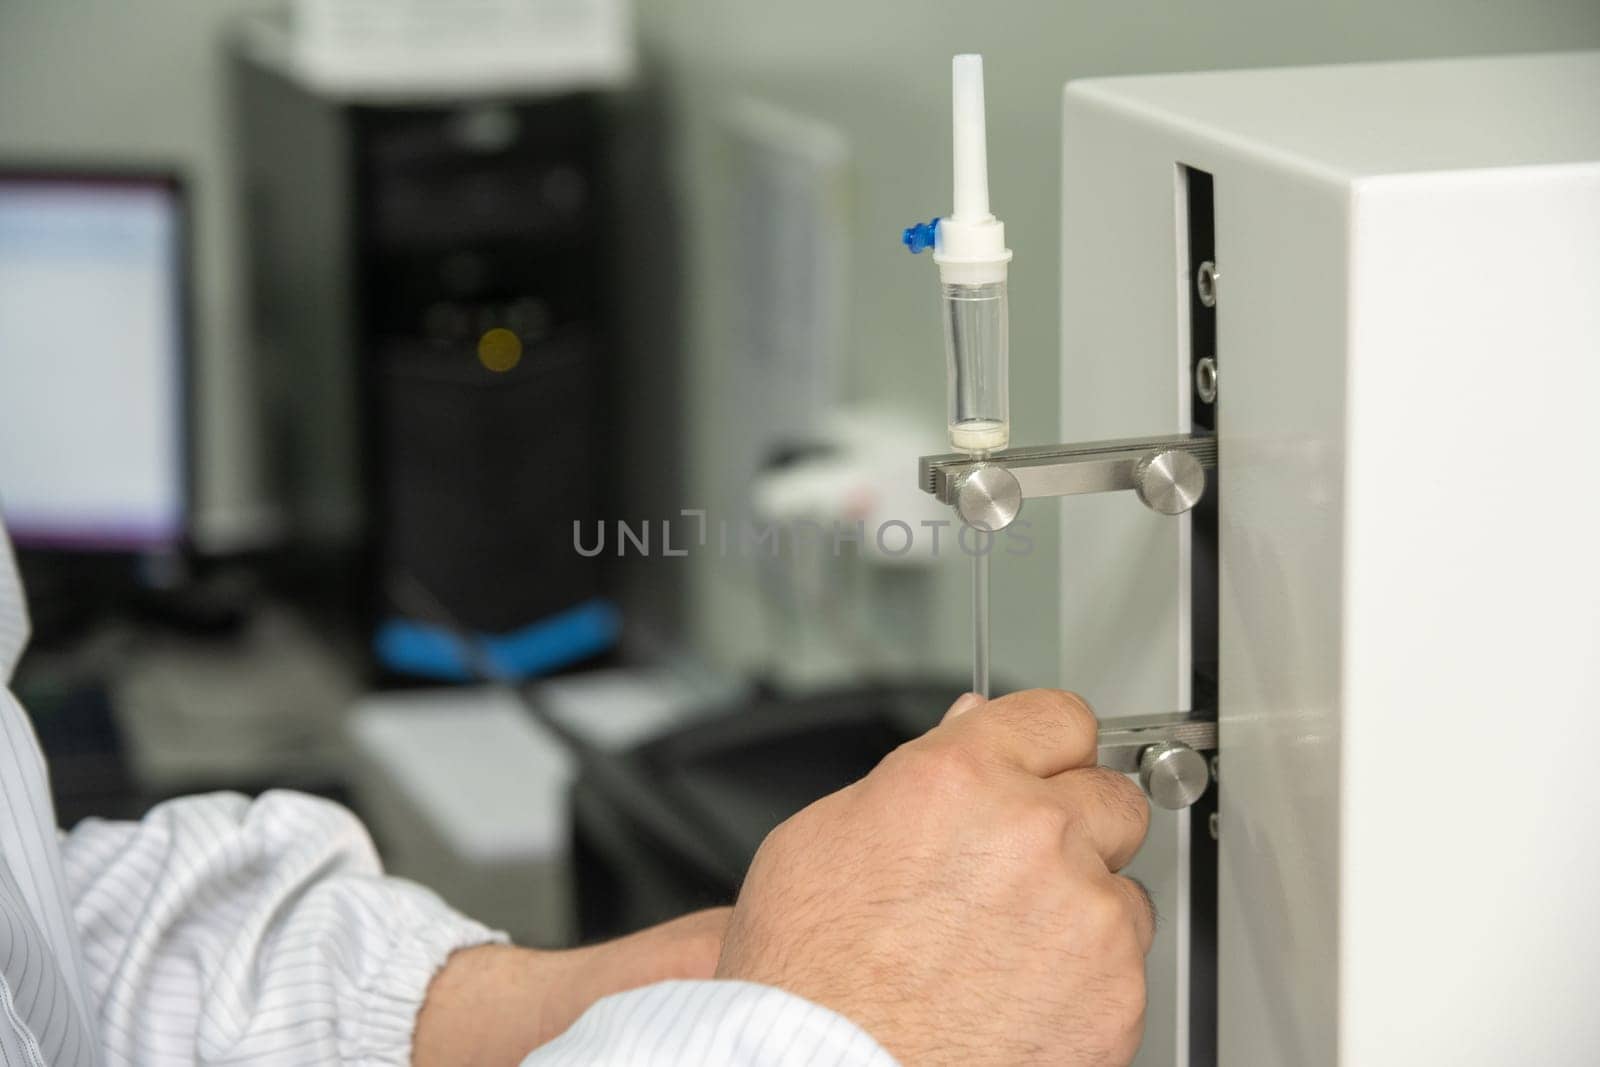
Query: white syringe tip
x,y
970,243
971,149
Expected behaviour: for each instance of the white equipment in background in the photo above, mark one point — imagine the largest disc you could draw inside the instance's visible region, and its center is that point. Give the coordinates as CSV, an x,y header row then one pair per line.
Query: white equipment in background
x,y
467,793
439,48
859,480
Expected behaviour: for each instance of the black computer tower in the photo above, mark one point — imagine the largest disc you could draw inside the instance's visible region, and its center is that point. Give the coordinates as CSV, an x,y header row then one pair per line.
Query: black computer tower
x,y
384,240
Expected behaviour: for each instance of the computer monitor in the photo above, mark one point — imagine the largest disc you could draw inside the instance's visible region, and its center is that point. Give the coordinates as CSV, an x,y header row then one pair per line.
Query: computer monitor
x,y
93,361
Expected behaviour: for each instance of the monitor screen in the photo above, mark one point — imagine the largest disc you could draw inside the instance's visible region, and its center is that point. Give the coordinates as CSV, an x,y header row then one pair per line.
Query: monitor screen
x,y
92,361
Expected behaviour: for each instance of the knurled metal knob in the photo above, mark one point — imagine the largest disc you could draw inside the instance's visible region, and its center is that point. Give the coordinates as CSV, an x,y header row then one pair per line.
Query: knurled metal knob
x,y
1170,482
988,498
1173,774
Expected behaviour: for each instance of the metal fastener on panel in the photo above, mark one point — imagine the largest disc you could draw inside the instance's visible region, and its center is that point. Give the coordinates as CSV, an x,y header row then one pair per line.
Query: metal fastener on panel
x,y
1173,774
1170,482
1205,379
1205,283
988,498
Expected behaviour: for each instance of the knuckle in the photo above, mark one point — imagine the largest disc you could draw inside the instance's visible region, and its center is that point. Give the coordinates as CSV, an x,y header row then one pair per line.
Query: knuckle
x,y
948,766
909,760
1110,919
1069,706
1045,716
899,756
1123,942
1102,911
1121,797
1140,903
1110,808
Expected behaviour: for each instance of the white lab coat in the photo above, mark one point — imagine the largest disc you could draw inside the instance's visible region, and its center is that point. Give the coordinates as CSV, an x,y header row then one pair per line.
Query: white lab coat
x,y
224,930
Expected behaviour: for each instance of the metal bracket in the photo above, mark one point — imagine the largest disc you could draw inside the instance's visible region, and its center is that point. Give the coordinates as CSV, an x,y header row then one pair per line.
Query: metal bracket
x,y
1165,751
1168,473
1123,741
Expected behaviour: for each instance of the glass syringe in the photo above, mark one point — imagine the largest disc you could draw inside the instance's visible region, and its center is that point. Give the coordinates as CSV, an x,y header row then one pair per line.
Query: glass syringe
x,y
969,246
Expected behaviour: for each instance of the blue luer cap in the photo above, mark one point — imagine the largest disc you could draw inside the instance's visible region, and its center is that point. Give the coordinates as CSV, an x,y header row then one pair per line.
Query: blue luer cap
x,y
920,237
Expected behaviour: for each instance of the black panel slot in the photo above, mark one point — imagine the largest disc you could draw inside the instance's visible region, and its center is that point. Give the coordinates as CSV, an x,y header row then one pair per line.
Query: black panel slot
x,y
1200,246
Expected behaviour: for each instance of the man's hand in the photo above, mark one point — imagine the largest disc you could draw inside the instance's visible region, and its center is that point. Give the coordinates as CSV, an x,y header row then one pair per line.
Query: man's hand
x,y
494,1004
961,901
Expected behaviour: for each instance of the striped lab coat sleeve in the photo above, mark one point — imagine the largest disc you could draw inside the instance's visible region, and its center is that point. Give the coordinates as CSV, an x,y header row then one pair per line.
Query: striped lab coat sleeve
x,y
45,1019
710,1024
224,930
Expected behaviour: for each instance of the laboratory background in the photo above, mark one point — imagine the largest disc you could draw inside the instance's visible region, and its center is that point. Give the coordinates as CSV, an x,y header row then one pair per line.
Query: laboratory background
x,y
502,416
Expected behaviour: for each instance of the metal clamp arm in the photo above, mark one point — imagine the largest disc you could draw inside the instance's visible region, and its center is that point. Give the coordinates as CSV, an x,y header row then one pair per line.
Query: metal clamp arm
x,y
1168,473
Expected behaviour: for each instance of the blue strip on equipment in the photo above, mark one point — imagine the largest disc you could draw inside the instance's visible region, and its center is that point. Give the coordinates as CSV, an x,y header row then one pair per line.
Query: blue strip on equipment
x,y
428,651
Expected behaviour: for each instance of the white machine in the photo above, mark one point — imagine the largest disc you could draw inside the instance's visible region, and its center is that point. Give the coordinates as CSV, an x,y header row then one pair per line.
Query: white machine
x,y
1355,311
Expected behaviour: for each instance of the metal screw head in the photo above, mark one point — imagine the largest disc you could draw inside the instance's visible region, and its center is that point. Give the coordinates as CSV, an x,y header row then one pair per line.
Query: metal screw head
x,y
1205,379
1205,283
1173,774
1214,825
988,498
1170,482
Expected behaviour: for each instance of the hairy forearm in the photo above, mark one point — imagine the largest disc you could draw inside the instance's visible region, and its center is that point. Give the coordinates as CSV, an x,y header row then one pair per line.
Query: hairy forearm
x,y
489,1005
494,1004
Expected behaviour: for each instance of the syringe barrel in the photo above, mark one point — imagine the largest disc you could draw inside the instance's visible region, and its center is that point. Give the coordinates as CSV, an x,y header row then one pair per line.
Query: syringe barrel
x,y
978,355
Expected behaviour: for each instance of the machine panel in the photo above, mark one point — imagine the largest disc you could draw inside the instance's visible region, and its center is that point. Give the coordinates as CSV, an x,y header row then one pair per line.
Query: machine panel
x,y
1408,609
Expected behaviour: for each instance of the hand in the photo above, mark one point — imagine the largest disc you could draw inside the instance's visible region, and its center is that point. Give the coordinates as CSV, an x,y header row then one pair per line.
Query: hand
x,y
496,1003
960,901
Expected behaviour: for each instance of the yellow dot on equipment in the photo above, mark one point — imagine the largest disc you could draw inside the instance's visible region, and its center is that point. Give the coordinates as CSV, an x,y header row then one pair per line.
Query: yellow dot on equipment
x,y
499,349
